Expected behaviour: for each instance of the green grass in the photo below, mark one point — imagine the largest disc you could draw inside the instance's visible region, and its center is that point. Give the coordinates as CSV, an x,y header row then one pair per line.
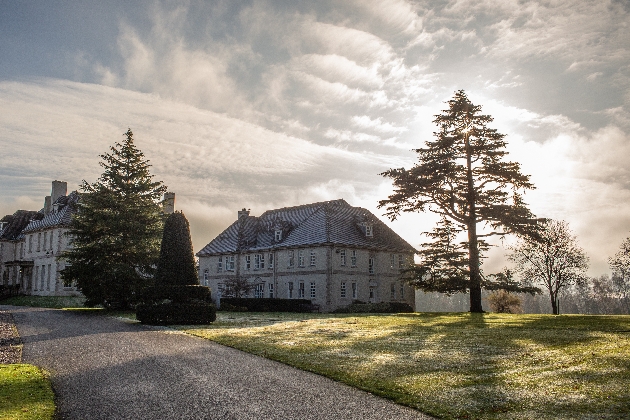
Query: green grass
x,y
455,366
55,302
25,393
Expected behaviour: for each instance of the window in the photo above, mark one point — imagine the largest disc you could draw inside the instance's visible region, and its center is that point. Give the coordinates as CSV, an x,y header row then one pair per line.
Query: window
x,y
51,240
36,277
248,262
392,260
343,290
278,235
39,241
220,264
371,265
48,280
290,290
291,262
353,258
369,231
259,289
392,294
313,257
43,277
259,261
45,239
342,256
205,277
354,290
270,264
301,258
402,291
229,263
313,294
301,290
270,290
371,292
30,243
401,261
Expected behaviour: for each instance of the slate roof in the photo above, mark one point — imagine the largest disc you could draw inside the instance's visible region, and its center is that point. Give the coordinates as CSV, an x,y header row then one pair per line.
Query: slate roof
x,y
65,209
330,222
16,223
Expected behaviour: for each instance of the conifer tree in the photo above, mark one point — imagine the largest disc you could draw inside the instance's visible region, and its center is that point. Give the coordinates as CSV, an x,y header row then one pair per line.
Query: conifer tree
x,y
176,265
117,230
462,176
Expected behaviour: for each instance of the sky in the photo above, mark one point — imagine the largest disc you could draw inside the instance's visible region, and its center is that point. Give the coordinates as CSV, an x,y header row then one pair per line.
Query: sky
x,y
266,104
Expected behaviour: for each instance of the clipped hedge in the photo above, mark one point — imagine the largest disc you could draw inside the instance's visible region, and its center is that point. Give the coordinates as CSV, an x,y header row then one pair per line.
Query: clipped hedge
x,y
267,305
169,313
177,293
382,307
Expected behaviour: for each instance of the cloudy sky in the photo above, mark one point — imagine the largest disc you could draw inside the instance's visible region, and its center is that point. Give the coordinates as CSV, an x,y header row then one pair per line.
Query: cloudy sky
x,y
265,104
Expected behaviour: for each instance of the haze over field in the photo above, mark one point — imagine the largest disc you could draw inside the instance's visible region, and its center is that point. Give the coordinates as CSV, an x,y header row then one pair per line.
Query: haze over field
x,y
264,104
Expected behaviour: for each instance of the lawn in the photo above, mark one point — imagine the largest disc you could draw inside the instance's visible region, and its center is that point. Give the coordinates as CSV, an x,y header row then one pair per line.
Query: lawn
x,y
25,393
467,366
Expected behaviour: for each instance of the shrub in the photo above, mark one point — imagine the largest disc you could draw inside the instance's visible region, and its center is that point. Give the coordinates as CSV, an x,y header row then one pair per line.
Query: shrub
x,y
267,305
382,307
169,313
502,301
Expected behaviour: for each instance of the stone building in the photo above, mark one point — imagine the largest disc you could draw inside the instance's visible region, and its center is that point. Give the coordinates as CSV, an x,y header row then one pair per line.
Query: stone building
x,y
330,253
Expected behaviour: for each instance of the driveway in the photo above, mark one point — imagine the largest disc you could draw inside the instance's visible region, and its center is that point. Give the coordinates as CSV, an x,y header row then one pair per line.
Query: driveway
x,y
106,368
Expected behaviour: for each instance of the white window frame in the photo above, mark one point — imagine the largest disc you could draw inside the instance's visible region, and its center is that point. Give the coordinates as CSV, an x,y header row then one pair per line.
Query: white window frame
x,y
290,287
291,261
342,292
313,258
248,262
259,290
259,261
371,265
270,288
342,257
369,231
313,290
278,235
270,263
220,264
353,258
301,258
301,290
206,273
229,263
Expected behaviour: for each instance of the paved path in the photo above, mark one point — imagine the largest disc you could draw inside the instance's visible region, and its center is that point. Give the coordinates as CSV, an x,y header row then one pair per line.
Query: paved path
x,y
106,368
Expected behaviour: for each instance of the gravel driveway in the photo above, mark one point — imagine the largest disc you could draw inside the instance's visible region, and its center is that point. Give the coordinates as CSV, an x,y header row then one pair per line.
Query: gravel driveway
x,y
106,368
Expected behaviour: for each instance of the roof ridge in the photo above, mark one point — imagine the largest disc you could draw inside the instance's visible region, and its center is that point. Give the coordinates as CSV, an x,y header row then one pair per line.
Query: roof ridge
x,y
303,206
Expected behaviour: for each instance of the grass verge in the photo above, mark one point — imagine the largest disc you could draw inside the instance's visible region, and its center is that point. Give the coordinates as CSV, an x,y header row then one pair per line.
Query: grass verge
x,y
55,302
25,393
454,366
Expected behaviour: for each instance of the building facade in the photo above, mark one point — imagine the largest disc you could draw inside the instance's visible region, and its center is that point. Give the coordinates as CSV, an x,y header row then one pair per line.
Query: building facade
x,y
330,253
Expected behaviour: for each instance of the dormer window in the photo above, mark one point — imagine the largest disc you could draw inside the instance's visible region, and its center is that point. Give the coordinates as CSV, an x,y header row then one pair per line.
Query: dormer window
x,y
369,231
278,235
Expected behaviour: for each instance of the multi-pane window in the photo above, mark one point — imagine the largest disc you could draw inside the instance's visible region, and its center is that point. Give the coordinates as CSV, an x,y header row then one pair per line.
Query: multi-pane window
x,y
353,258
392,260
205,277
259,261
354,290
220,264
301,258
49,278
342,256
301,290
313,290
278,235
343,290
259,289
371,265
368,230
248,262
229,263
392,294
313,257
270,264
270,290
402,291
401,261
290,290
291,262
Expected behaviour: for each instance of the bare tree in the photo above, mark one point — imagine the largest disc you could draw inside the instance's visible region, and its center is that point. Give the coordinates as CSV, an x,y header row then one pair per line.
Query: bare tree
x,y
620,266
237,287
552,258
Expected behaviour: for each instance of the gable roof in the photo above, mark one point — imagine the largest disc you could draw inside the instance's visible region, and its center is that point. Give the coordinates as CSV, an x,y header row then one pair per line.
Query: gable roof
x,y
329,222
65,208
16,223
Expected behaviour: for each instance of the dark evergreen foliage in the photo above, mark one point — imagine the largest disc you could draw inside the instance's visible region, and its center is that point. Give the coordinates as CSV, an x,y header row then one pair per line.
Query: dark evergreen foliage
x,y
462,176
176,265
116,231
169,313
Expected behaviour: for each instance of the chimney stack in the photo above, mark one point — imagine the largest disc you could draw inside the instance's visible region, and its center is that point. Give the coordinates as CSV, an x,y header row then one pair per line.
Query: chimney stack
x,y
47,204
168,205
59,189
243,213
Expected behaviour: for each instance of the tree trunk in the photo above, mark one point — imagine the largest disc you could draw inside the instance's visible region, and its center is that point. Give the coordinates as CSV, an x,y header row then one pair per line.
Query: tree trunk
x,y
554,303
473,246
